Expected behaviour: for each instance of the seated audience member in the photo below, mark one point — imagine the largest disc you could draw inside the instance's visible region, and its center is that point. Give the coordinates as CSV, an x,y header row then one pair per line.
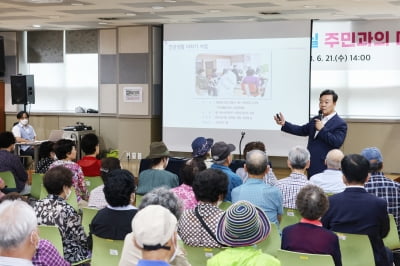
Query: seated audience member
x,y
210,187
201,150
222,157
154,228
264,196
2,186
11,162
309,236
23,132
46,253
66,153
356,211
331,179
89,163
157,176
240,227
97,198
298,162
114,221
46,157
185,191
380,185
54,210
270,177
19,233
158,196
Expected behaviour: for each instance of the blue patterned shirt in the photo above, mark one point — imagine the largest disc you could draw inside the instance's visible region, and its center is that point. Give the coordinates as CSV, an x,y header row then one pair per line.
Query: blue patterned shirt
x,y
388,190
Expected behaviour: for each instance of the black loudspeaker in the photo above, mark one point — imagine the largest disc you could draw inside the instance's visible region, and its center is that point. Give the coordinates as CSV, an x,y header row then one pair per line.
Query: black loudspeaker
x,y
22,89
2,58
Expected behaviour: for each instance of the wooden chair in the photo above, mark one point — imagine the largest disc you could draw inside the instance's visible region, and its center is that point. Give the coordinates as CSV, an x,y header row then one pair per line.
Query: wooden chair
x,y
106,251
356,250
290,258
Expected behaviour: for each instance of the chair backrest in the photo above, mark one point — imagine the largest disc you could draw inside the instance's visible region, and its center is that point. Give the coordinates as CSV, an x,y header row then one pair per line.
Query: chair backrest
x,y
392,240
73,200
225,205
356,250
93,182
37,182
290,258
272,244
87,217
289,217
52,234
199,255
106,251
138,200
8,178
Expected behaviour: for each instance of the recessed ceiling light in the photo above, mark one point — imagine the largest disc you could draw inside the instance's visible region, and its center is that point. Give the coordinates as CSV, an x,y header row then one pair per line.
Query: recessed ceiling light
x,y
36,26
130,14
103,23
157,7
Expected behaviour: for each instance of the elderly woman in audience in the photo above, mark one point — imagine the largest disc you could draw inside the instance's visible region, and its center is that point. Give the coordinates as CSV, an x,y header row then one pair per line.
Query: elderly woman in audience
x,y
46,157
201,150
114,221
240,227
97,198
66,153
309,236
270,177
210,187
54,210
159,196
185,191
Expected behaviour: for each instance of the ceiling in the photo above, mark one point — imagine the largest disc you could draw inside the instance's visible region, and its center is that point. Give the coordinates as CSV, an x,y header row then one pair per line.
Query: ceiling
x,y
85,14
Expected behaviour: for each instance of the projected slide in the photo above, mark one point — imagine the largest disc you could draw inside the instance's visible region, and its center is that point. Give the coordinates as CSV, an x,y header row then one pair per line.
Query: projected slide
x,y
220,87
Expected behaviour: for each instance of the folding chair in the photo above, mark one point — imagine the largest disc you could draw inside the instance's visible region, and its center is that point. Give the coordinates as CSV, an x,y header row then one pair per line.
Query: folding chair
x,y
356,250
106,251
37,182
9,179
87,217
225,205
272,244
138,200
93,182
52,234
199,255
290,258
392,240
289,217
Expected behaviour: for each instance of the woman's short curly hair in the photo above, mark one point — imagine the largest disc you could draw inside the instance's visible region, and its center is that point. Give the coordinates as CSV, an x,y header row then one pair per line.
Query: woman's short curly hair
x,y
312,202
119,187
209,184
164,197
56,178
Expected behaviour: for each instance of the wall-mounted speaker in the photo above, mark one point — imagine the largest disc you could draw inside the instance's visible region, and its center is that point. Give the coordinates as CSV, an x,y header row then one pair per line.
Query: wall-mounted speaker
x,y
22,89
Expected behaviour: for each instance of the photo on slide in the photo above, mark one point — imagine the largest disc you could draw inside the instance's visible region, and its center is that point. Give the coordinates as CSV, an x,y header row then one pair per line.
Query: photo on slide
x,y
231,75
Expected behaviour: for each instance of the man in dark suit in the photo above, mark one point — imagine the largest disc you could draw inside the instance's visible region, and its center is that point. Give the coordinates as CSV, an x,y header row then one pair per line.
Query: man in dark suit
x,y
356,211
325,132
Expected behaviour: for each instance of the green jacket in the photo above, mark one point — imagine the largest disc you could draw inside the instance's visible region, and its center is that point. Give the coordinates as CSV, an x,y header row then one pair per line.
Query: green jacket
x,y
243,256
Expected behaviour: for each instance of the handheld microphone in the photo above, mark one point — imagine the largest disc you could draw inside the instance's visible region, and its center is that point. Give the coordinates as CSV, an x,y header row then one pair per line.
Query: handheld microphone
x,y
240,144
320,114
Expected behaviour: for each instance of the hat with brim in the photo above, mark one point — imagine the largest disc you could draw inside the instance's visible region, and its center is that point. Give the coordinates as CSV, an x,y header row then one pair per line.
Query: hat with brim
x,y
201,146
243,224
158,150
221,150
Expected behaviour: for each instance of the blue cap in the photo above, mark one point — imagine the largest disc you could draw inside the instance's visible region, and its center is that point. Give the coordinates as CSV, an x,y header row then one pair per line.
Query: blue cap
x,y
372,153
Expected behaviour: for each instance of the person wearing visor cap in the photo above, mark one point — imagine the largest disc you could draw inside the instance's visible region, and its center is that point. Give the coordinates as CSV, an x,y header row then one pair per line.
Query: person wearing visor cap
x,y
221,154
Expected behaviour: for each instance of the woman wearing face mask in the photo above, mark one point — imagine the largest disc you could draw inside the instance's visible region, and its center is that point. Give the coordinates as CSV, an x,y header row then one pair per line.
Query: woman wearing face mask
x,y
54,210
47,156
24,132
